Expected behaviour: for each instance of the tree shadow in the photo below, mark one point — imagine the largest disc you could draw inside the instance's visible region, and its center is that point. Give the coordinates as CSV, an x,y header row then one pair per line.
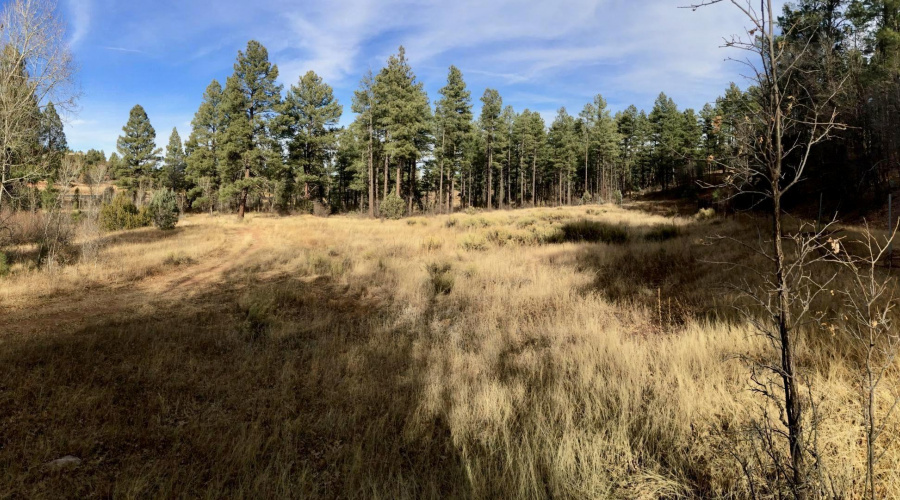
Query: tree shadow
x,y
279,388
139,236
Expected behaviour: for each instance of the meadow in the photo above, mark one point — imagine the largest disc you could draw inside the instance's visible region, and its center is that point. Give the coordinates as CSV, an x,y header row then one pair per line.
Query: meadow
x,y
578,352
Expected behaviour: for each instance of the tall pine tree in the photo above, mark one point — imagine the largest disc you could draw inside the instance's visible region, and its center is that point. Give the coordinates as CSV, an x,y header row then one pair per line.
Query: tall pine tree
x,y
138,151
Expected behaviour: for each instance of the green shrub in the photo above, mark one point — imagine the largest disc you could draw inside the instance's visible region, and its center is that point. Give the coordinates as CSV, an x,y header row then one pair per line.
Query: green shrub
x,y
471,211
121,213
164,209
617,196
393,207
593,231
4,265
662,232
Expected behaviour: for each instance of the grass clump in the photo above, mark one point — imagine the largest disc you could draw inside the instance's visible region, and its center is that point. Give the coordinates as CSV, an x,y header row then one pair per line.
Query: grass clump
x,y
594,232
440,277
431,244
662,232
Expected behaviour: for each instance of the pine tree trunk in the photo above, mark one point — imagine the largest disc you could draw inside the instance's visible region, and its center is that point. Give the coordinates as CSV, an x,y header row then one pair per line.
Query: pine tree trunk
x,y
387,175
534,180
441,182
243,200
371,174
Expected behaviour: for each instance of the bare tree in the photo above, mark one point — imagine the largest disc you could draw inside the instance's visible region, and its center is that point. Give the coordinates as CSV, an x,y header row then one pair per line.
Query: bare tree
x,y
867,319
36,67
785,123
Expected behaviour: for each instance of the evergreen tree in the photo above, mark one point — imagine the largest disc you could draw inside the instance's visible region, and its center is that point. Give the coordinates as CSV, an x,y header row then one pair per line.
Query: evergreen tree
x,y
404,116
364,107
138,151
491,106
172,174
249,103
562,140
453,118
666,121
202,147
53,137
605,143
311,114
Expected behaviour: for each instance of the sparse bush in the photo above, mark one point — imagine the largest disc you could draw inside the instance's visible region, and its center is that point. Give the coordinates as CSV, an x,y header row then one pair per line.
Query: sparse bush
x,y
164,209
525,222
451,222
121,213
471,210
705,214
321,209
473,242
593,232
662,232
617,197
440,277
393,207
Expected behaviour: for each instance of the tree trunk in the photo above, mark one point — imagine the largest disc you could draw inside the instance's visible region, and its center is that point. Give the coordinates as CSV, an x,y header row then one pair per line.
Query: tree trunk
x,y
243,203
534,180
441,182
371,174
387,175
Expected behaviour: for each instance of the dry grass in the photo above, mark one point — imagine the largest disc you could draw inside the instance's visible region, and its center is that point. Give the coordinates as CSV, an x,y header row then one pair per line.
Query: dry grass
x,y
466,356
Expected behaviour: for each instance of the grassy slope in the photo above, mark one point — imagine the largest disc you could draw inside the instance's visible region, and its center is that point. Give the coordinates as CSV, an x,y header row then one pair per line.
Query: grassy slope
x,y
472,356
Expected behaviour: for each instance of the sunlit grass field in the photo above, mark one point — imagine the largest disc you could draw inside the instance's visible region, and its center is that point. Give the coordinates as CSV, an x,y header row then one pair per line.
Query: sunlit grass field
x,y
581,352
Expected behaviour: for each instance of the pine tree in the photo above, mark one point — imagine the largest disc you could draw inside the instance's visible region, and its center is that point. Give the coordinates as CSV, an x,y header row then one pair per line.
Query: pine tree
x,y
403,115
666,121
491,106
138,151
605,143
563,143
311,114
202,147
364,107
453,118
53,137
249,103
172,174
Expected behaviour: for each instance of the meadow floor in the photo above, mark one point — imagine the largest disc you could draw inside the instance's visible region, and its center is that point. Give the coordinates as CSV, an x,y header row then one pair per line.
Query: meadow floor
x,y
487,355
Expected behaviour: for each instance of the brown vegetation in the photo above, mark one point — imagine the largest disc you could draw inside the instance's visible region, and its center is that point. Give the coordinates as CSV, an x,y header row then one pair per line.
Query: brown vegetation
x,y
468,356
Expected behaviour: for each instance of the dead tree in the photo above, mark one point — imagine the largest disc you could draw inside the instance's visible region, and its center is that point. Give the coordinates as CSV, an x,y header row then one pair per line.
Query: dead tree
x,y
784,124
868,320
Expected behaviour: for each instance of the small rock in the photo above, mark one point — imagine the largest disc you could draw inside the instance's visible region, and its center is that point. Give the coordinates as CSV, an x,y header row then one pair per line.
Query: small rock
x,y
66,462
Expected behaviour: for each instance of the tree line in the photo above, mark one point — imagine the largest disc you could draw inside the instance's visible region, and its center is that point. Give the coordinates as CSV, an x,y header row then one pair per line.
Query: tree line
x,y
254,145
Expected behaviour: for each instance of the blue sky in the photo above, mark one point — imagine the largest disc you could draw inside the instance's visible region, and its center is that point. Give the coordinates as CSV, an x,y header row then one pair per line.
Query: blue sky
x,y
540,54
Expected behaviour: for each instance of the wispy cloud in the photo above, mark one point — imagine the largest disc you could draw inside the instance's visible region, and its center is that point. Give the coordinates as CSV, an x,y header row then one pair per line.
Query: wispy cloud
x,y
123,49
80,12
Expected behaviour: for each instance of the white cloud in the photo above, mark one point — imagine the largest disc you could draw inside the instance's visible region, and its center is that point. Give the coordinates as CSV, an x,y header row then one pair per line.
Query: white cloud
x,y
80,12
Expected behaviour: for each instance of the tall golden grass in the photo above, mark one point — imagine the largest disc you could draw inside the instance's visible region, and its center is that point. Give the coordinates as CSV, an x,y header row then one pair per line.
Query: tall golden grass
x,y
475,356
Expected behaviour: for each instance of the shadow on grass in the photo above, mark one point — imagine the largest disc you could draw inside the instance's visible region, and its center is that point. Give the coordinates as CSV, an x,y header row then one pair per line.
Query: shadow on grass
x,y
276,389
140,236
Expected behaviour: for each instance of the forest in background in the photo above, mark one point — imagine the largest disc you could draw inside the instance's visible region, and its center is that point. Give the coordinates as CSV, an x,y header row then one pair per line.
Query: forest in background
x,y
255,145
